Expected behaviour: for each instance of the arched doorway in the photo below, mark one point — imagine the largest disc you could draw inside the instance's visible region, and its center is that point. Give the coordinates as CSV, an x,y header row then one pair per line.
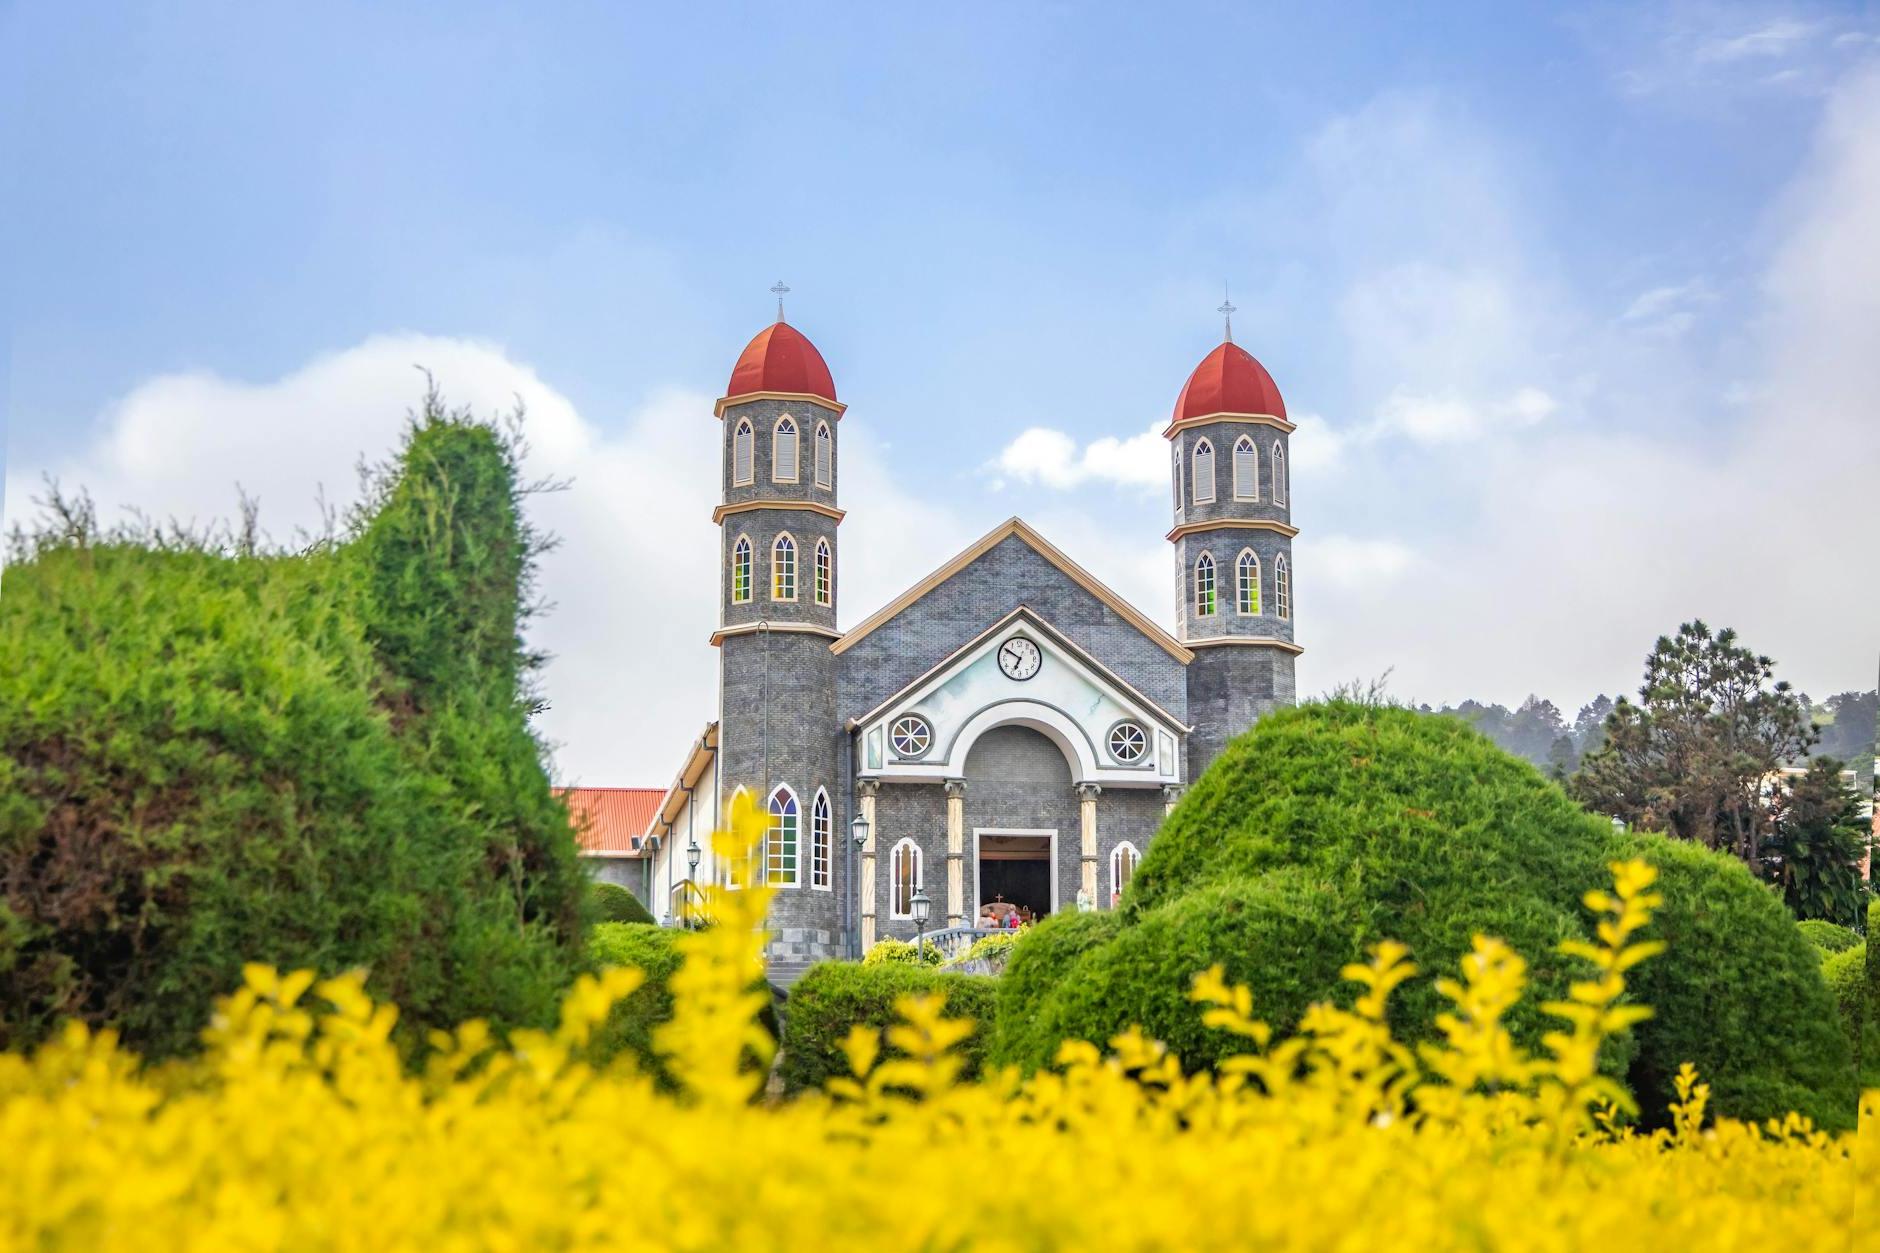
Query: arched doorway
x,y
1021,811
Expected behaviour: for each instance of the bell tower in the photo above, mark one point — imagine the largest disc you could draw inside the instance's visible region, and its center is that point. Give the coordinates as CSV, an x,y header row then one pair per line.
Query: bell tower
x,y
1233,538
779,737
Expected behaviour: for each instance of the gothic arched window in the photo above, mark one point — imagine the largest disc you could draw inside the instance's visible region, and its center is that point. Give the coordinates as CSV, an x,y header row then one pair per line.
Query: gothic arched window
x,y
1204,472
780,841
825,456
783,568
741,471
1247,582
825,573
821,842
1123,859
1246,470
1282,587
741,571
1204,585
903,878
783,451
1179,502
1279,473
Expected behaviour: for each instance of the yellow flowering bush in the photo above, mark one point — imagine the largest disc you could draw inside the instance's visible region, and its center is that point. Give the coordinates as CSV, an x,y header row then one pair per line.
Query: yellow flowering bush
x,y
302,1127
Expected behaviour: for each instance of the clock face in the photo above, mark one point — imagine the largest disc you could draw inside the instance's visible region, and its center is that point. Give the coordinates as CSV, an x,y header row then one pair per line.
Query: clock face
x,y
1019,658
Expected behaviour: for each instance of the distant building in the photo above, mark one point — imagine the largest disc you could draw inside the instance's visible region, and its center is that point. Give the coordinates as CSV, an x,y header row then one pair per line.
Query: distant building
x,y
609,823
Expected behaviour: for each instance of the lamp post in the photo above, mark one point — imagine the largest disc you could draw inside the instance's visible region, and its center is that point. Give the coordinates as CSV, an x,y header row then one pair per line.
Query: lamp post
x,y
858,838
923,909
692,854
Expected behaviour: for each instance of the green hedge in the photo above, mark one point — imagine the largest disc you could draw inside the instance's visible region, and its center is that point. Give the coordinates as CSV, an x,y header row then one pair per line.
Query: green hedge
x,y
629,1028
1851,980
1330,827
613,903
211,755
832,997
1829,937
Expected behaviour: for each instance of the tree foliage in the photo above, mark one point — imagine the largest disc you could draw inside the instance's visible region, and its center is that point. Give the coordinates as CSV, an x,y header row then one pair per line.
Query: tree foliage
x,y
1814,852
1693,757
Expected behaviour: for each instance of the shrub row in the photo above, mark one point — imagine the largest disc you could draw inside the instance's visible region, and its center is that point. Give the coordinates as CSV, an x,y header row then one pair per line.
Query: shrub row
x,y
832,997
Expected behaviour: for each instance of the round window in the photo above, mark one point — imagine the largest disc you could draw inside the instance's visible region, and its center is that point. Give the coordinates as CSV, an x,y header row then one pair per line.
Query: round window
x,y
1129,743
910,736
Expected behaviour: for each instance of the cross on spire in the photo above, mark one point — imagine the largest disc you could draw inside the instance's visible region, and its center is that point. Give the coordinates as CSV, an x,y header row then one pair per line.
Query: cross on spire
x,y
780,289
1226,310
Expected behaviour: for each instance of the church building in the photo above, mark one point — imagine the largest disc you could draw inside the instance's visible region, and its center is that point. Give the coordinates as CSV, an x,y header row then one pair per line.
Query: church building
x,y
1010,731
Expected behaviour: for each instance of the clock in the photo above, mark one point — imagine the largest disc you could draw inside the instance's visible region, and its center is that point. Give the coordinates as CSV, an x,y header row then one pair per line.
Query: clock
x,y
1019,658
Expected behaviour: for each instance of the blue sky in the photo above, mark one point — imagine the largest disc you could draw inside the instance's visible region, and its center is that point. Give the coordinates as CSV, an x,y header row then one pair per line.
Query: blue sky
x,y
1481,247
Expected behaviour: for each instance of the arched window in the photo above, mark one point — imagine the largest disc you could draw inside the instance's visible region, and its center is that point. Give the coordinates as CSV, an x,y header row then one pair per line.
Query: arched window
x,y
741,571
1123,859
1279,473
741,472
825,574
1246,469
783,451
903,878
1282,587
1204,585
825,456
783,568
821,843
1204,472
780,841
738,869
1247,582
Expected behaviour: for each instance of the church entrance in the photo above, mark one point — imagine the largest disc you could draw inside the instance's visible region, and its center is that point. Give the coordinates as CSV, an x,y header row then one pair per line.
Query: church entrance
x,y
1014,876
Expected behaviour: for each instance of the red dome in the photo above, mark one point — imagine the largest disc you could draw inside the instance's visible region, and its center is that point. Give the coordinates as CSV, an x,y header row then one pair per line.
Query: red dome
x,y
781,359
1229,380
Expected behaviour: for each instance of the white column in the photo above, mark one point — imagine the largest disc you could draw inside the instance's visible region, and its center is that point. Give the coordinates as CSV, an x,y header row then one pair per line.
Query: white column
x,y
1087,794
956,846
868,788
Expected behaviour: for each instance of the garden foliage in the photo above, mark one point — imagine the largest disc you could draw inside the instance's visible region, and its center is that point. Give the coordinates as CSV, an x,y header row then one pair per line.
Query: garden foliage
x,y
654,952
212,754
299,1127
1829,937
1330,827
892,952
613,903
833,998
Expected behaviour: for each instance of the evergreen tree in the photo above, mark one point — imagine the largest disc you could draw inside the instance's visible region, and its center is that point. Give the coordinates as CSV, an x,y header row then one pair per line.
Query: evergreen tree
x,y
1814,852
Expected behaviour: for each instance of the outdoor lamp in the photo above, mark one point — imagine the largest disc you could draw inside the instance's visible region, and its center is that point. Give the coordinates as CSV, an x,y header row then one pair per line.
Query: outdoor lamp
x,y
692,854
923,909
858,831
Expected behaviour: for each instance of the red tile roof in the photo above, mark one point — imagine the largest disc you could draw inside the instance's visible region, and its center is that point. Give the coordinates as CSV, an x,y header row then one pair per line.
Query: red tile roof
x,y
608,821
1229,380
781,359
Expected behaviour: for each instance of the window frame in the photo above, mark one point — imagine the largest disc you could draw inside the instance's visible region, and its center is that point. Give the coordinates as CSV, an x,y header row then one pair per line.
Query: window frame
x,y
1246,455
1280,493
743,454
1109,742
1202,447
1135,861
926,730
1241,583
1211,605
777,434
824,455
895,908
1282,588
821,843
783,539
743,563
795,840
823,581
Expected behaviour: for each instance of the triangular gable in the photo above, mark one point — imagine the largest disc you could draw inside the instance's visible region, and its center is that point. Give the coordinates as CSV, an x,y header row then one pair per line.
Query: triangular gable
x,y
1015,528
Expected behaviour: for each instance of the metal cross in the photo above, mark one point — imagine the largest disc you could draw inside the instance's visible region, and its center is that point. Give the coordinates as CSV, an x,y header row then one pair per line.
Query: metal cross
x,y
1227,311
780,289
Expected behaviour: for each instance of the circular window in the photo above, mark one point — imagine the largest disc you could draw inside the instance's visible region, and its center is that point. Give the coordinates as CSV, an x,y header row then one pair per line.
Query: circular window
x,y
1129,743
910,736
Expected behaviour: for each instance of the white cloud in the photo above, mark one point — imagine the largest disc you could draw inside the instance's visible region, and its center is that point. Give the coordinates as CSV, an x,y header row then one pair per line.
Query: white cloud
x,y
1052,458
1451,418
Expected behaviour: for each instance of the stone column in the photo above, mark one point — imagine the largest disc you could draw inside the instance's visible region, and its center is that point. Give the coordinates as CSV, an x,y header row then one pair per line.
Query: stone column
x,y
1171,797
1087,823
956,847
867,788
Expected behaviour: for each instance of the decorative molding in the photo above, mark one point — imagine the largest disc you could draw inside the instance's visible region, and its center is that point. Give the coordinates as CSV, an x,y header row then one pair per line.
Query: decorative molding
x,y
1247,419
1089,791
868,787
1236,524
1044,548
787,628
744,398
955,788
1265,641
809,506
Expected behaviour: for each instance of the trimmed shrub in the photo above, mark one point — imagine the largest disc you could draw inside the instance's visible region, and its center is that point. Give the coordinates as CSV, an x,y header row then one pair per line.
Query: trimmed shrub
x,y
1330,827
901,953
991,949
1829,937
832,997
629,1028
1848,975
211,756
613,903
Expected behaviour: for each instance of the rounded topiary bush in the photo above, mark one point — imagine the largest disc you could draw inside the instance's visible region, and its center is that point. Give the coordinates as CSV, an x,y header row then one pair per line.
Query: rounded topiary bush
x,y
613,903
833,997
1331,827
1829,937
1848,974
629,1028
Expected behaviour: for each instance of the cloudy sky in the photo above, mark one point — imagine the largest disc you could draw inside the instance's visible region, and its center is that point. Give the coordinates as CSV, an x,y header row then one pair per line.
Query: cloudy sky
x,y
1579,312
